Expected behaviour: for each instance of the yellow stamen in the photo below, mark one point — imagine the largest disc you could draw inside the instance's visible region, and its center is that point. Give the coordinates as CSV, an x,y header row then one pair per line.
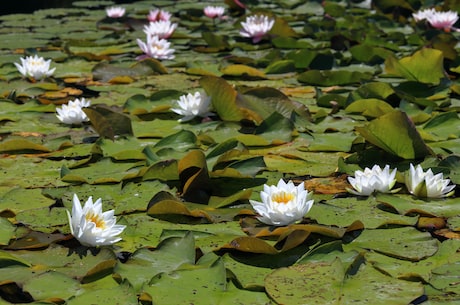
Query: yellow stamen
x,y
282,197
96,218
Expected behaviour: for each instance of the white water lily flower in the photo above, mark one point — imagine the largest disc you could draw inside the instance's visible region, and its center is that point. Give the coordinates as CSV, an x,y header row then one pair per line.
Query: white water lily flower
x,y
157,15
35,67
283,204
162,28
92,227
372,180
115,11
426,184
156,48
214,11
423,14
256,27
73,113
193,105
443,20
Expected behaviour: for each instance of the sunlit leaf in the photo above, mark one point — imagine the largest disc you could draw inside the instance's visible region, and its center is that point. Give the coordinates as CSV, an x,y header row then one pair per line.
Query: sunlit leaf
x,y
22,146
396,134
370,107
243,71
223,98
425,65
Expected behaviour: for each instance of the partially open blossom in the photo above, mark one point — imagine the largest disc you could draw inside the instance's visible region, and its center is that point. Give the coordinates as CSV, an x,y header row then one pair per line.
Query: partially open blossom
x,y
92,227
443,20
423,14
256,27
115,11
156,48
193,105
426,184
35,67
214,11
372,180
283,204
157,15
162,29
73,113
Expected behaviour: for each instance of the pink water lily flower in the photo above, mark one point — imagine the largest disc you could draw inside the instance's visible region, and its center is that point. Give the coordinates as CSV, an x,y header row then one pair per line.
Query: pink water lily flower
x,y
214,11
256,27
156,48
162,29
157,15
443,20
115,11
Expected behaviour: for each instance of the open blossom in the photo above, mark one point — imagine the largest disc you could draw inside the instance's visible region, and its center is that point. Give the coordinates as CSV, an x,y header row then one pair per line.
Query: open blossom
x,y
256,27
156,48
115,11
423,14
157,15
162,29
92,227
73,113
193,105
426,184
442,20
372,180
214,11
35,67
283,204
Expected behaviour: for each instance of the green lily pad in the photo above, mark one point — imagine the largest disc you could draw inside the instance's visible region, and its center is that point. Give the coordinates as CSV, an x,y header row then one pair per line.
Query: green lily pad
x,y
332,78
425,66
405,243
395,133
342,212
169,255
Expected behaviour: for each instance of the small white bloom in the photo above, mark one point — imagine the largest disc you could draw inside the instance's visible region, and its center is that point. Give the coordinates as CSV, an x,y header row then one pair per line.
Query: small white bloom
x,y
92,227
423,14
214,11
156,48
35,67
72,113
163,29
283,204
426,184
365,4
256,27
191,106
372,180
443,20
115,11
157,15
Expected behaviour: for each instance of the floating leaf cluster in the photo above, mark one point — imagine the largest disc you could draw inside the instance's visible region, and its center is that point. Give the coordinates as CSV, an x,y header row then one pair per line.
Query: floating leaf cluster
x,y
330,89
